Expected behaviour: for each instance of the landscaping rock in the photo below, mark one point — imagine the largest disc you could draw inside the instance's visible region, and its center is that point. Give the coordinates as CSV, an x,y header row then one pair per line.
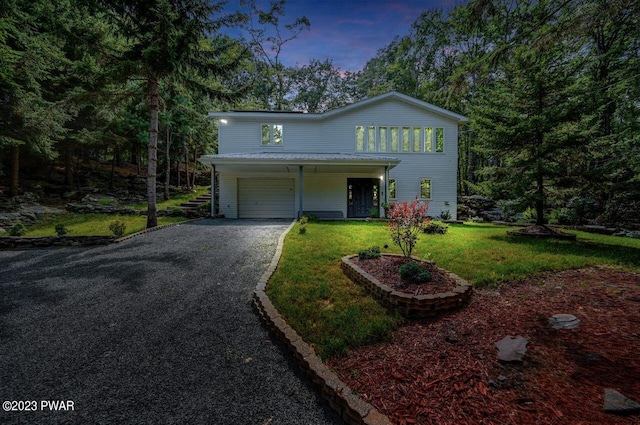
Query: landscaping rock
x,y
512,349
564,321
616,402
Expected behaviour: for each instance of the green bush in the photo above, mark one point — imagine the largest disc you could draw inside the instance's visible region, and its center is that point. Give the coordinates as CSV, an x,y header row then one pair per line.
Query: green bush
x,y
563,216
445,215
509,209
369,253
18,229
412,272
436,227
302,229
61,230
375,212
117,228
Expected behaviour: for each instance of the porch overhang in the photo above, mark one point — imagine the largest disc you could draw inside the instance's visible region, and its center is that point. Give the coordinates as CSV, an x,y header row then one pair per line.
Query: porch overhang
x,y
290,162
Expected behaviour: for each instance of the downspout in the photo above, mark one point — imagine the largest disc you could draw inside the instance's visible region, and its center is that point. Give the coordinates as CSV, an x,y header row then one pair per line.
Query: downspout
x,y
386,184
300,191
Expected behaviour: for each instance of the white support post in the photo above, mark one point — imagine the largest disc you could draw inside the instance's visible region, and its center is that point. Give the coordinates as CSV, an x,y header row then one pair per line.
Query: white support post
x,y
300,191
213,191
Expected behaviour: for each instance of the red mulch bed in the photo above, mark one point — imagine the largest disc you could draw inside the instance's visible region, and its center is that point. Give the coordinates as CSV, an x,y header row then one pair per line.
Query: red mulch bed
x,y
385,269
445,370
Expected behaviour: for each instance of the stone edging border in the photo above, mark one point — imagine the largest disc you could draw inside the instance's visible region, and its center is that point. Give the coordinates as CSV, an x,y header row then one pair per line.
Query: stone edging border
x,y
153,229
411,306
342,399
13,242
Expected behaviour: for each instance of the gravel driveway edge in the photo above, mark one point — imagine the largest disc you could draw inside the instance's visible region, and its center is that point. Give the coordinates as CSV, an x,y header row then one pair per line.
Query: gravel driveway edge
x,y
342,399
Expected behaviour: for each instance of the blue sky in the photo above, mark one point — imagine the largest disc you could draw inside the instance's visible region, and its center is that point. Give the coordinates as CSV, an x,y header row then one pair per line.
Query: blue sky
x,y
349,31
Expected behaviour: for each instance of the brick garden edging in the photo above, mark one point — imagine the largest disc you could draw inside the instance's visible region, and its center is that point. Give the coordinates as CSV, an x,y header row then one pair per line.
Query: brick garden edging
x,y
342,399
411,306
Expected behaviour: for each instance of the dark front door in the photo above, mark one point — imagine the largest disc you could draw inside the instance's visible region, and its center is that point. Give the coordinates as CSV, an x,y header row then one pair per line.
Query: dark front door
x,y
362,197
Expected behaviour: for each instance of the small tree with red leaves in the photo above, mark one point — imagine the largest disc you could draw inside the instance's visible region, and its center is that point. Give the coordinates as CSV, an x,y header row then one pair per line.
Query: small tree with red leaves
x,y
406,222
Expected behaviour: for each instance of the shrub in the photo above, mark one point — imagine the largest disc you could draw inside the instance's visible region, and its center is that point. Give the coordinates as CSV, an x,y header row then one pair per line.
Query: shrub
x,y
369,253
563,216
61,230
18,229
302,229
375,212
509,209
406,221
582,207
117,228
435,227
386,206
412,272
445,215
529,215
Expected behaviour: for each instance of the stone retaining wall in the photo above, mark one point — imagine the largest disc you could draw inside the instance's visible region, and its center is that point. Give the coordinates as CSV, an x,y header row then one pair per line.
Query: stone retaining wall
x,y
411,306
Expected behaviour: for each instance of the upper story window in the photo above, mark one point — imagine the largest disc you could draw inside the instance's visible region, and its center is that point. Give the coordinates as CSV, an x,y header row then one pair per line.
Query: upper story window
x,y
360,138
404,139
429,142
272,135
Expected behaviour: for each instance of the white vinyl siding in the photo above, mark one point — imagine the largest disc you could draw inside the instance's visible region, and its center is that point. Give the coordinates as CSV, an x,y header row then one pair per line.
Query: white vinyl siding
x,y
266,198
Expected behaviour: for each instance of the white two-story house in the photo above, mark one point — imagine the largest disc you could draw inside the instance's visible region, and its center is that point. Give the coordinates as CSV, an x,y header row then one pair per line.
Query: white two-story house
x,y
342,163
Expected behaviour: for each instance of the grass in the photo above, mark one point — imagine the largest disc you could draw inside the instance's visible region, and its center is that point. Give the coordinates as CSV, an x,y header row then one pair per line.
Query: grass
x,y
93,224
334,314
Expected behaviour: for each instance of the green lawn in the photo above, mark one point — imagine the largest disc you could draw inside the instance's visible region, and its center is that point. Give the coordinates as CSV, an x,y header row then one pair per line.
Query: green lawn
x,y
93,224
331,312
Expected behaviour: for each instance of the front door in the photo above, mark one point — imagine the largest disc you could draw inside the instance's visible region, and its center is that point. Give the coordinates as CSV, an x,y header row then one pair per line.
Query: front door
x,y
362,197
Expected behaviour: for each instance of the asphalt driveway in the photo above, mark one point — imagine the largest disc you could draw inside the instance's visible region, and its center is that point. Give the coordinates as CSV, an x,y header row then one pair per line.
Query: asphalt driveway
x,y
155,330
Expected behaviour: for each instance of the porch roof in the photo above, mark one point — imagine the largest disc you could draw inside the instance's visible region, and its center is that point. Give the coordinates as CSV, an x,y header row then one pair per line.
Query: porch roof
x,y
298,158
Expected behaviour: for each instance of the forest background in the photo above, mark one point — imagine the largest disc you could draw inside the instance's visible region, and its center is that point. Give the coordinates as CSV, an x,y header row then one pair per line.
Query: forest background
x,y
551,88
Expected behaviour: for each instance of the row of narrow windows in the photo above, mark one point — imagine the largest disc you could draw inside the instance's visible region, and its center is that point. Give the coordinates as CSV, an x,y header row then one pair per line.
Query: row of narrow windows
x,y
399,139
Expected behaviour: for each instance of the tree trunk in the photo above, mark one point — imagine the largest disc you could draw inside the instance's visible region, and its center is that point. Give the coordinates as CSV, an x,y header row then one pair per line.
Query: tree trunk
x,y
168,174
178,171
154,101
15,170
195,166
186,165
113,169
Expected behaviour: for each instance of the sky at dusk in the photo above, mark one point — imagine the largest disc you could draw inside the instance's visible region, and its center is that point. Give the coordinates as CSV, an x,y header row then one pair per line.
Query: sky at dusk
x,y
349,32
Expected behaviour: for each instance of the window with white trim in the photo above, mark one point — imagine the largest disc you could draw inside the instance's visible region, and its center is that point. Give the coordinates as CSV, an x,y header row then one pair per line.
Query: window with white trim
x,y
439,139
392,188
272,135
360,138
425,188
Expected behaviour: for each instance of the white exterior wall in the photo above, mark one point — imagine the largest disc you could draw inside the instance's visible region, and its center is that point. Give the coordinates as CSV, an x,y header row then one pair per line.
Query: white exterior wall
x,y
336,134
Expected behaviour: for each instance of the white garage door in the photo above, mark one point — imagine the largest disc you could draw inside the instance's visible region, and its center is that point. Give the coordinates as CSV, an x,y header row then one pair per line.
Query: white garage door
x,y
266,198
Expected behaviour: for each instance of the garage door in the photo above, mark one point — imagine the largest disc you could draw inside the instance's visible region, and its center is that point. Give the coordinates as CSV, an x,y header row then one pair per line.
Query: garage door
x,y
266,198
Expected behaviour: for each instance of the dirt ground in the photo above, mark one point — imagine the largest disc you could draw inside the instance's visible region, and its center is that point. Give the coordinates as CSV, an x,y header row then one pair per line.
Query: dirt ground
x,y
446,371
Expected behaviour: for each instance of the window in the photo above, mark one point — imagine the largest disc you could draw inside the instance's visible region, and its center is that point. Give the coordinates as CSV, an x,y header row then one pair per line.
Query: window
x,y
439,139
360,138
278,139
416,139
272,135
392,188
406,139
428,139
394,139
371,139
383,138
425,188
